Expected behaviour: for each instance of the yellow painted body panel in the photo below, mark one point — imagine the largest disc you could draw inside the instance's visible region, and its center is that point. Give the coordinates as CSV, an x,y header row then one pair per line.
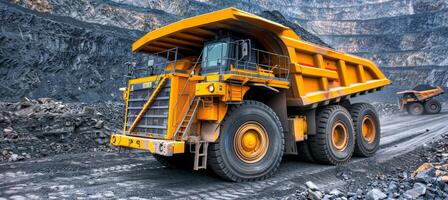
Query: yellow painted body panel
x,y
225,91
157,146
298,127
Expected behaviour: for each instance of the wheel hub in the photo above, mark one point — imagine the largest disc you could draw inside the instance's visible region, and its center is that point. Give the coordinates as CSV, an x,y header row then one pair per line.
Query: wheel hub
x,y
433,106
339,136
368,129
251,142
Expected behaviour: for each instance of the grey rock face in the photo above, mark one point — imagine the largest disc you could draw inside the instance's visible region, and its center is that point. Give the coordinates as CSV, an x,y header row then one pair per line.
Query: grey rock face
x,y
66,59
407,38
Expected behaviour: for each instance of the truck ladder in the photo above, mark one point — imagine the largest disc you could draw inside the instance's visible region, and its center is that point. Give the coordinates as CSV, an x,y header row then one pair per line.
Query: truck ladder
x,y
188,119
160,83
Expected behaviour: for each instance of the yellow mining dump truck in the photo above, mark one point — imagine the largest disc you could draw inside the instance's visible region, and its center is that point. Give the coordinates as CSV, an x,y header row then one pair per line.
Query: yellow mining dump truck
x,y
421,100
234,92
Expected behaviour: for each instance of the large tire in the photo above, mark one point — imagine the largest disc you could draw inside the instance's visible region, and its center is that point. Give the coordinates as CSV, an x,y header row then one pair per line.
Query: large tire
x,y
235,156
334,140
304,151
415,108
177,161
432,106
367,129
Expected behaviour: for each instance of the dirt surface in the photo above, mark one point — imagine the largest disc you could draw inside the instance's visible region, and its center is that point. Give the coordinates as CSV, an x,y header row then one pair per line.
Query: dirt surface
x,y
97,175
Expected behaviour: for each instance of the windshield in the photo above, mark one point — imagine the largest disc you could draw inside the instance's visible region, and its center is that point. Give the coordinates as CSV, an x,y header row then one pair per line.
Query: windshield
x,y
215,55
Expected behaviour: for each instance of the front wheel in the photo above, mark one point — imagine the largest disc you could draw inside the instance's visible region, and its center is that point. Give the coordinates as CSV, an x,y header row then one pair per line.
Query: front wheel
x,y
251,144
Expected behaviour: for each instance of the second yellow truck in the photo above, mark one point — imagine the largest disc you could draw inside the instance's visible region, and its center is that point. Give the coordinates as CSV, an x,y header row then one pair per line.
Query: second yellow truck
x,y
234,92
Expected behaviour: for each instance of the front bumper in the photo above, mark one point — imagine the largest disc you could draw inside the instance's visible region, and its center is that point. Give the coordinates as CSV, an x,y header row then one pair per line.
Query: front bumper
x,y
157,146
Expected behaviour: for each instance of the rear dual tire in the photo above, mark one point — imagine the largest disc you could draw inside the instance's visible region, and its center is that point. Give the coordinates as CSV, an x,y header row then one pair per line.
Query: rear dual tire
x,y
431,106
367,129
342,133
334,140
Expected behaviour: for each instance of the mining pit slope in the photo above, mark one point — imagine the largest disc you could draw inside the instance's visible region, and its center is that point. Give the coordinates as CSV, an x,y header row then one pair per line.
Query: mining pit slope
x,y
78,50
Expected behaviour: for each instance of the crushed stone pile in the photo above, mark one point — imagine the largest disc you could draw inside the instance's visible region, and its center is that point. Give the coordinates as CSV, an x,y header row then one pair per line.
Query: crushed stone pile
x,y
44,126
419,181
386,109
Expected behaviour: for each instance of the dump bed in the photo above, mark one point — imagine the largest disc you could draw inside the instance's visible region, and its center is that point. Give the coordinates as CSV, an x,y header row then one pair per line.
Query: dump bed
x,y
422,95
322,74
316,74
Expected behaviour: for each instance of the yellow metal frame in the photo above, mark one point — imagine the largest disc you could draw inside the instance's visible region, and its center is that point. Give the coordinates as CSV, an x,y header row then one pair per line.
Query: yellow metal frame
x,y
148,102
157,146
298,127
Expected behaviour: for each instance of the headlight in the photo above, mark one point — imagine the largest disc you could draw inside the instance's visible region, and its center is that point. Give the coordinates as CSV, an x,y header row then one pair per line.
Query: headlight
x,y
211,88
123,93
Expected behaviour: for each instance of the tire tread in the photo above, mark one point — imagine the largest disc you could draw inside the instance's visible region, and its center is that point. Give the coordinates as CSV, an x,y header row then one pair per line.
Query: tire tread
x,y
215,160
355,112
318,142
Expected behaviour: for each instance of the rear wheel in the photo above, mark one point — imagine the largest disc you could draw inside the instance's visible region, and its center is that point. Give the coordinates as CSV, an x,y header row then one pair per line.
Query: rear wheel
x,y
334,140
415,108
251,144
432,106
367,129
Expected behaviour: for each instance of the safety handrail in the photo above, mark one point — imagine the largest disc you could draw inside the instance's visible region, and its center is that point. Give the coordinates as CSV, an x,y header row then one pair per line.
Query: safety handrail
x,y
186,83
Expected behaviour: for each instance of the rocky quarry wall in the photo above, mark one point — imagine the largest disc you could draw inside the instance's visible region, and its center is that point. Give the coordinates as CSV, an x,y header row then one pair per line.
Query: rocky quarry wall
x,y
77,50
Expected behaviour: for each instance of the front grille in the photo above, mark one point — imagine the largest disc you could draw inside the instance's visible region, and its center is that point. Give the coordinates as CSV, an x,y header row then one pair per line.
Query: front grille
x,y
155,120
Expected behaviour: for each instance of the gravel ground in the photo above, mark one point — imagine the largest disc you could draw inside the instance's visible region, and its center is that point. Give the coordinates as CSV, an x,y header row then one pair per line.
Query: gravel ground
x,y
425,177
100,175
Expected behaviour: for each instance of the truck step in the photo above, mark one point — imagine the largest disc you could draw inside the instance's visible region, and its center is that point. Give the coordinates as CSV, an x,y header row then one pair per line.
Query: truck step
x,y
200,155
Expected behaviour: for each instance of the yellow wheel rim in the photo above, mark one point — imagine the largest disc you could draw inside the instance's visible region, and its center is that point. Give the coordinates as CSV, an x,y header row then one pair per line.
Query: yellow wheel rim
x,y
339,136
251,142
368,129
